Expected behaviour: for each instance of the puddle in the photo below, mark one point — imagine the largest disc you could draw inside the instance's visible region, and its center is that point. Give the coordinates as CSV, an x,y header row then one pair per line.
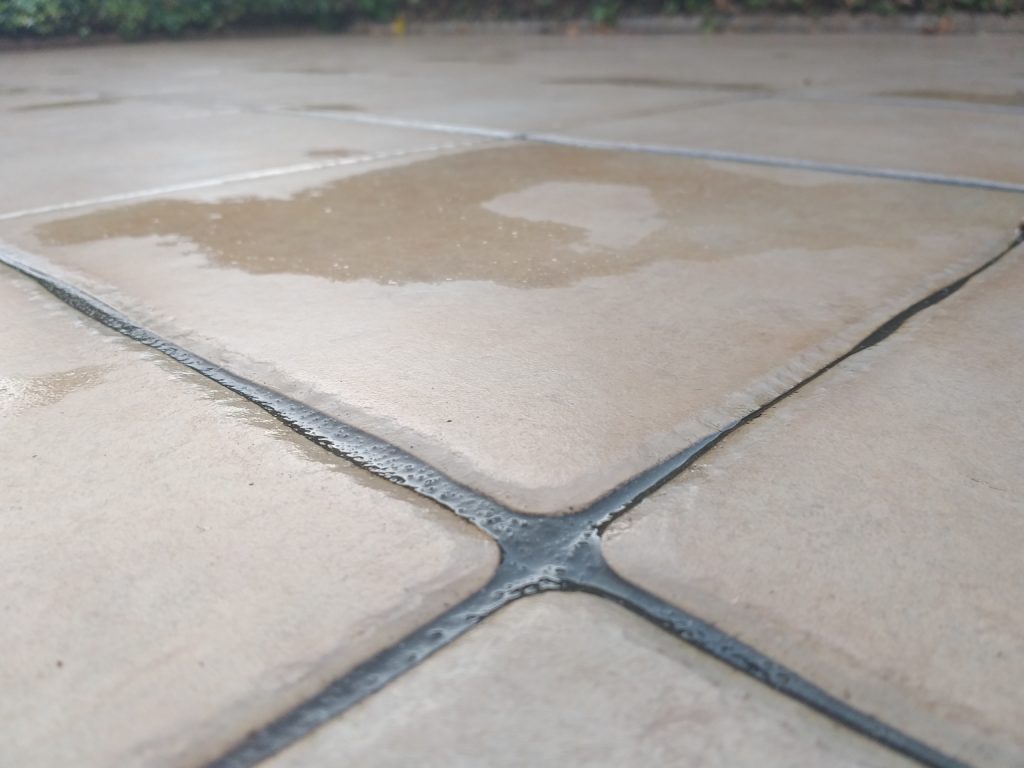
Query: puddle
x,y
522,216
69,104
969,97
19,393
662,82
611,215
331,108
314,70
481,57
331,153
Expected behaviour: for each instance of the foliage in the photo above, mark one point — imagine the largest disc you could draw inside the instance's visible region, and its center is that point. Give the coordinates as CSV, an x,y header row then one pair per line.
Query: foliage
x,y
140,18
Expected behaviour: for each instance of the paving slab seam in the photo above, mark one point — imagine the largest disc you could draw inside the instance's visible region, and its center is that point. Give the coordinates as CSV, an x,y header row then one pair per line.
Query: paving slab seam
x,y
234,178
537,553
694,153
907,102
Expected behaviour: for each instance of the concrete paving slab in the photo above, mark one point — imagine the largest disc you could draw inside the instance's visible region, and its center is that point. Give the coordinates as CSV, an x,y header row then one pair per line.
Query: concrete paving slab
x,y
571,680
83,148
410,79
867,530
240,70
536,270
542,323
177,566
928,135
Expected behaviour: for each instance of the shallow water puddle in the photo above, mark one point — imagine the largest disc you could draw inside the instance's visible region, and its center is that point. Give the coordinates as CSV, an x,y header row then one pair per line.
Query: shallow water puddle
x,y
524,216
968,97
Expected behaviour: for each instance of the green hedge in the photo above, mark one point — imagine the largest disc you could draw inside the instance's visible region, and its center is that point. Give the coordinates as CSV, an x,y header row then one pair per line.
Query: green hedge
x,y
139,18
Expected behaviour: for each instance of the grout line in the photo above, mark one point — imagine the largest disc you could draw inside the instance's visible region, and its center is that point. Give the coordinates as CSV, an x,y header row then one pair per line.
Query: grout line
x,y
233,178
371,453
623,498
694,153
906,102
369,677
746,659
367,118
538,553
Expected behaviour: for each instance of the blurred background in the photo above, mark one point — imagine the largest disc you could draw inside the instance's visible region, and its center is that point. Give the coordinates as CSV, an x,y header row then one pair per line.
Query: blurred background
x,y
28,20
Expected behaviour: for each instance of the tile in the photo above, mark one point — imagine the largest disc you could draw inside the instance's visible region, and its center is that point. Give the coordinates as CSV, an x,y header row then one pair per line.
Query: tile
x,y
867,531
83,147
256,71
929,135
470,81
539,322
177,567
569,679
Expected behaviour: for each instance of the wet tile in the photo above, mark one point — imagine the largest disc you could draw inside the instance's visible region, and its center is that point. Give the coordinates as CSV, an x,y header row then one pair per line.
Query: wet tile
x,y
177,567
927,136
565,679
259,71
524,104
540,322
867,531
82,147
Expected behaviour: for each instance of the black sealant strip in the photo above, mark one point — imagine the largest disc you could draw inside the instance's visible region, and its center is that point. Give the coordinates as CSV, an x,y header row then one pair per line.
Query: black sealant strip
x,y
372,675
752,662
619,500
361,448
538,553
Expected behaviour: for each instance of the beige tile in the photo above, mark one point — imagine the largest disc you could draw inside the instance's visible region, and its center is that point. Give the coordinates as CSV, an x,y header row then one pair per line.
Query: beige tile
x,y
469,81
572,680
540,322
929,135
867,531
177,567
83,147
262,71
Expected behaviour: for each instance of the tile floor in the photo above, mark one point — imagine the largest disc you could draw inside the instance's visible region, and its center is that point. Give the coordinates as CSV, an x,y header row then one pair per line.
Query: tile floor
x,y
544,287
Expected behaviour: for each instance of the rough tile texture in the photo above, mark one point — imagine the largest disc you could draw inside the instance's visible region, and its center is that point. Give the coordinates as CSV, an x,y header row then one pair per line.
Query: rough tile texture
x,y
89,148
536,270
868,530
931,135
565,679
177,567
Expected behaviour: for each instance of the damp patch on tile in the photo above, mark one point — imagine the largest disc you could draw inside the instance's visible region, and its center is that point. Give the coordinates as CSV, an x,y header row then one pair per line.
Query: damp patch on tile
x,y
968,97
522,216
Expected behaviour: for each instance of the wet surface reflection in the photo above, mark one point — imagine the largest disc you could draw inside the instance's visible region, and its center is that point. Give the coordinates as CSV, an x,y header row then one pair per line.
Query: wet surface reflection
x,y
522,216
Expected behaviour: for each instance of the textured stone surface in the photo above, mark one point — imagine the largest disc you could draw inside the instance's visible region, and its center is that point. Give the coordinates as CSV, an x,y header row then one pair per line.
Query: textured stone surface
x,y
177,567
485,310
540,323
868,530
571,680
930,131
63,150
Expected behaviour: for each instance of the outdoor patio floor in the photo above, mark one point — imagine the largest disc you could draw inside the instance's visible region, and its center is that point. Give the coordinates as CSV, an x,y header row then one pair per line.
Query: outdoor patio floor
x,y
503,401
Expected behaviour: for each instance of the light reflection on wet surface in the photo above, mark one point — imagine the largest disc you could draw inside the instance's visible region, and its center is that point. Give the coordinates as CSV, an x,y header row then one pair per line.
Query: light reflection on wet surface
x,y
662,82
968,97
18,393
522,216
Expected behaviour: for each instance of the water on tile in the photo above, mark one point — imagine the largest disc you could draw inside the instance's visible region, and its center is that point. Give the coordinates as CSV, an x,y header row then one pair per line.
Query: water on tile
x,y
330,153
661,82
522,216
68,104
235,407
332,108
969,97
18,393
